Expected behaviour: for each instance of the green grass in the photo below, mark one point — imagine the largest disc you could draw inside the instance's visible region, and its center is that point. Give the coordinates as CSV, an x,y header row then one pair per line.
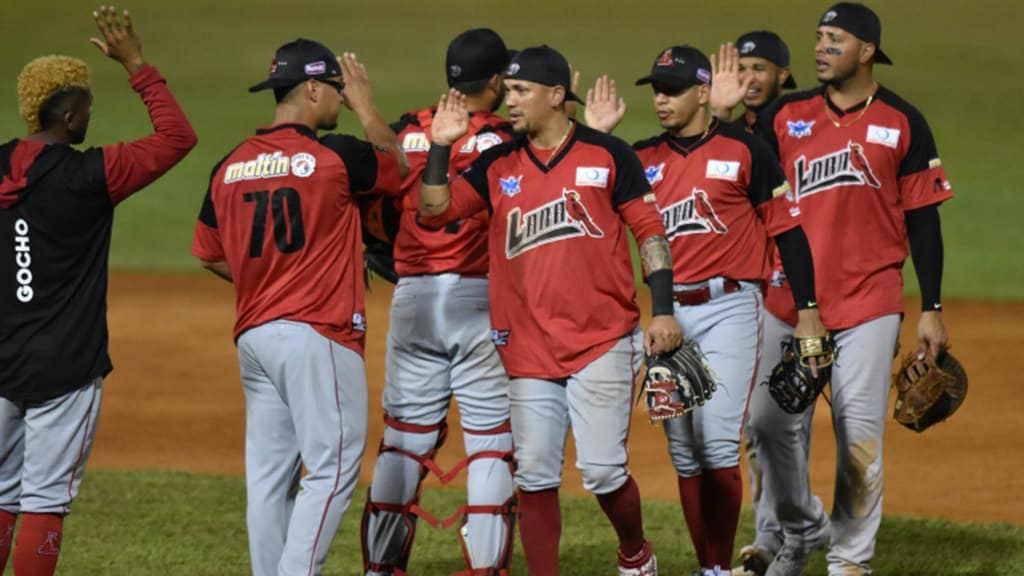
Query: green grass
x,y
159,523
954,60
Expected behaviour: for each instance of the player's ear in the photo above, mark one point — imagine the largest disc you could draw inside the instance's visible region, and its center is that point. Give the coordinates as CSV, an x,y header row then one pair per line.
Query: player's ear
x,y
783,76
867,52
704,94
557,97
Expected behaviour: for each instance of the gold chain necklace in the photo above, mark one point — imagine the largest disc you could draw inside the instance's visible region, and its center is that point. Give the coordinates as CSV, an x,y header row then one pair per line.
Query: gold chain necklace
x,y
557,146
835,121
707,129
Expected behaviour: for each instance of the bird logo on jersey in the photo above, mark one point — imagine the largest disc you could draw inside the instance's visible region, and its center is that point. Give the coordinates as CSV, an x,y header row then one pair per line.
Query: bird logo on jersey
x,y
655,173
578,213
845,167
510,185
561,219
800,128
692,215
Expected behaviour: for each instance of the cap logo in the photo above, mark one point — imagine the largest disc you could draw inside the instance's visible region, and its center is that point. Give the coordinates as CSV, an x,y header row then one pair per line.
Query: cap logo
x,y
273,64
829,16
748,47
455,70
314,68
513,69
704,75
666,58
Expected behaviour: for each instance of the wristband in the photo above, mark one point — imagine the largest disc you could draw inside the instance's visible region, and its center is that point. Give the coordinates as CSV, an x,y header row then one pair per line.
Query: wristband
x,y
660,282
436,171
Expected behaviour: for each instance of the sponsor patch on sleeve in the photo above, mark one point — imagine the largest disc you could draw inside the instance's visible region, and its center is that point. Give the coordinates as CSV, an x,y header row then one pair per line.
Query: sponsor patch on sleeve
x,y
415,142
783,190
883,135
723,170
592,176
649,198
934,163
487,140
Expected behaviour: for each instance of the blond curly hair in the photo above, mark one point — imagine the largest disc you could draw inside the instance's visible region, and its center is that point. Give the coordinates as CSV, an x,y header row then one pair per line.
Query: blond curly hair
x,y
44,77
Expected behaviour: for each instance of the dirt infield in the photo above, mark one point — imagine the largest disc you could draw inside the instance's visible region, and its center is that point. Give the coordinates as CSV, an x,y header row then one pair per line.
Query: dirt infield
x,y
174,401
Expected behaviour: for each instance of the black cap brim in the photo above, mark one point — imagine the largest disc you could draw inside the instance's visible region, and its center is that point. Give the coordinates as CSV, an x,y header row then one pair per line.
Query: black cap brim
x,y
670,82
274,83
881,57
790,83
570,95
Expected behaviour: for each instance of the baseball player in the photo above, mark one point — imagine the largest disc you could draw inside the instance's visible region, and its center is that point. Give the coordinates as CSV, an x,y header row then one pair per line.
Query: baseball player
x,y
280,222
754,72
56,211
868,181
563,314
722,196
439,344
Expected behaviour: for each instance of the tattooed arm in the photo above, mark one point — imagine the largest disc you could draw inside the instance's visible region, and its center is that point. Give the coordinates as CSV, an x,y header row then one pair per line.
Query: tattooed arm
x,y
655,255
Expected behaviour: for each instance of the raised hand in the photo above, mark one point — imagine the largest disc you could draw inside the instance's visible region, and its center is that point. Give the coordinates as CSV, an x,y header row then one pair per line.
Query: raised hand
x,y
605,109
727,90
357,94
119,41
451,121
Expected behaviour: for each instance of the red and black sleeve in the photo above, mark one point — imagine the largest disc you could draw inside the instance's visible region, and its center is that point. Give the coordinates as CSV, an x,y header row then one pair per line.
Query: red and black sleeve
x,y
131,166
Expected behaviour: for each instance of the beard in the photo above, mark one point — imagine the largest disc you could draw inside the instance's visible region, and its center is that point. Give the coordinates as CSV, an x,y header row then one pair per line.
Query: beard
x,y
77,135
772,96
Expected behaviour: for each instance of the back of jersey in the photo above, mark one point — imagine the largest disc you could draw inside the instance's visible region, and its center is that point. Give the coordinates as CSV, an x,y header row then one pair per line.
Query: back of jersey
x,y
281,212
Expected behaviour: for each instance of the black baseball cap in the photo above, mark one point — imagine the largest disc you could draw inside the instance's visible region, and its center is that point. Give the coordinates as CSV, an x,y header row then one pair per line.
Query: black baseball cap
x,y
767,45
476,54
859,20
679,67
298,61
543,65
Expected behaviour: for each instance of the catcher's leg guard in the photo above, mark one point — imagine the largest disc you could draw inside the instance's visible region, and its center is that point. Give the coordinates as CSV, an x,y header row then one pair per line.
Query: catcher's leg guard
x,y
389,521
488,526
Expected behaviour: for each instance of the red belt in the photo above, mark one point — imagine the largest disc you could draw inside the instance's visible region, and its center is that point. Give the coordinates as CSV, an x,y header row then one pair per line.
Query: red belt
x,y
703,294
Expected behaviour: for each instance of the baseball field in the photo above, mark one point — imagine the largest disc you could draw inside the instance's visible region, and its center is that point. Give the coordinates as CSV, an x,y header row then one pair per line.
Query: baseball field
x,y
164,492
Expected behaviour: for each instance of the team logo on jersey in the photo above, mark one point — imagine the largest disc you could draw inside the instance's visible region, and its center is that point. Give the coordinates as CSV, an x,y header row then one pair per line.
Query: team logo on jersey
x,y
655,173
510,185
692,215
358,322
487,140
882,135
415,142
723,170
800,128
845,167
303,165
499,337
592,176
566,217
273,165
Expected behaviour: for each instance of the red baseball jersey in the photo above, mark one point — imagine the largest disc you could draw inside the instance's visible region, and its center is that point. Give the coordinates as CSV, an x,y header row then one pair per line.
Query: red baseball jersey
x,y
461,246
281,211
722,195
561,277
854,174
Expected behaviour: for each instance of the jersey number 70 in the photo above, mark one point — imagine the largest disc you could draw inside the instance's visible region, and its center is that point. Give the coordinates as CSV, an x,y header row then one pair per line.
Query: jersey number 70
x,y
289,233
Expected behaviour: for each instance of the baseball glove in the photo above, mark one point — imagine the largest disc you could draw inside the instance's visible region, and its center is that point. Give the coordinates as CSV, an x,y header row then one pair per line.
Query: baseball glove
x,y
791,383
380,219
928,390
676,383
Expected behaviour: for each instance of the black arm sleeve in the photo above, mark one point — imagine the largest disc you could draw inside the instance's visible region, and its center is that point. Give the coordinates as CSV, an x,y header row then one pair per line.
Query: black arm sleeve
x,y
925,231
799,266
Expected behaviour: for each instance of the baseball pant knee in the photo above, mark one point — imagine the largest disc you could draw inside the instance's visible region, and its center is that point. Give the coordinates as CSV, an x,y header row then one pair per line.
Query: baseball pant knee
x,y
683,450
721,453
389,521
603,479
